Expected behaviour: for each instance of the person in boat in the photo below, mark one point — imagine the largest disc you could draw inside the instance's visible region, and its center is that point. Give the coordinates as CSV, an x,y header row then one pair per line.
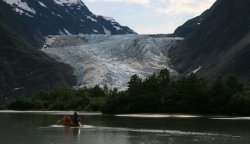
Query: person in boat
x,y
66,120
75,118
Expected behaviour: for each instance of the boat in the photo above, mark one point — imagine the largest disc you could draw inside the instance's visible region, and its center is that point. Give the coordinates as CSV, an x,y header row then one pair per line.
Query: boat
x,y
78,124
68,122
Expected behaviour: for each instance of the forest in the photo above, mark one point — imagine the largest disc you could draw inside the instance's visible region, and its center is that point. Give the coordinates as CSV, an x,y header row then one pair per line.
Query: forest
x,y
156,94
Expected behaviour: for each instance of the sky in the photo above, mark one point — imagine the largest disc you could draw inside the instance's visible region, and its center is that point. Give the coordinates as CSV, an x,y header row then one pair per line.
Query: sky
x,y
150,16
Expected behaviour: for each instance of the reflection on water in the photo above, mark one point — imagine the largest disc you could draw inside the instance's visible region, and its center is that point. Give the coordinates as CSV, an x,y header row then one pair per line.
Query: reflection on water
x,y
38,128
74,131
158,116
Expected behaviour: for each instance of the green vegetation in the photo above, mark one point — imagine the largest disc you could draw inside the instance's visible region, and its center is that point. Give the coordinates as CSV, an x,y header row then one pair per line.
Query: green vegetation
x,y
157,93
187,95
90,99
2,107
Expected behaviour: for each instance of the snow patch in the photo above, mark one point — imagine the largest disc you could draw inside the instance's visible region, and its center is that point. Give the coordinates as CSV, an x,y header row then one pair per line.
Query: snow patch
x,y
67,32
92,19
109,19
68,2
60,16
20,6
117,28
19,11
27,14
42,4
196,70
106,31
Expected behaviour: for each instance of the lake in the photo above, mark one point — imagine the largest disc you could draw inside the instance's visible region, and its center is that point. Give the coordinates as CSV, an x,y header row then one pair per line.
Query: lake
x,y
41,128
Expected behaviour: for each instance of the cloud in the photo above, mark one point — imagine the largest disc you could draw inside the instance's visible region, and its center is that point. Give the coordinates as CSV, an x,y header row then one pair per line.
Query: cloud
x,y
150,16
169,7
143,2
176,7
164,28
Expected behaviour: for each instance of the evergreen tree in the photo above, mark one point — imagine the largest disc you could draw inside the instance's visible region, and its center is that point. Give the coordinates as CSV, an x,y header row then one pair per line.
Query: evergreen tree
x,y
135,86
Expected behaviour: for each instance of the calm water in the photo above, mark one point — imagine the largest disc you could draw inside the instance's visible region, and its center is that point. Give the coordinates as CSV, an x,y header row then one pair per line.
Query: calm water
x,y
40,128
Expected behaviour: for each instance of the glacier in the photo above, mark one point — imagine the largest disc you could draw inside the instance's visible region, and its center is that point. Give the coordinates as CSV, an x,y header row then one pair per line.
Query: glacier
x,y
111,59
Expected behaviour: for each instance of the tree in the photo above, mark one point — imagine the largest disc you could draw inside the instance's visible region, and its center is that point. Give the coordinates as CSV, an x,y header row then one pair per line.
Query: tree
x,y
233,85
192,93
151,99
218,99
164,77
135,86
97,92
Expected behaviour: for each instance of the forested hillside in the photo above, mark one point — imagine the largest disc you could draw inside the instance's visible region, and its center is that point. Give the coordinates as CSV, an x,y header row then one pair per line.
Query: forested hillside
x,y
25,69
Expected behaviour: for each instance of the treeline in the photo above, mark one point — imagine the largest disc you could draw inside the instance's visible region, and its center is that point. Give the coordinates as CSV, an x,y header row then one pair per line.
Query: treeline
x,y
90,99
191,94
156,94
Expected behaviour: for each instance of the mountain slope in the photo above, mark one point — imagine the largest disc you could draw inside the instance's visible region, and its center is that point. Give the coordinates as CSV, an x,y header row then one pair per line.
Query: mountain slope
x,y
220,46
53,17
23,69
190,26
20,27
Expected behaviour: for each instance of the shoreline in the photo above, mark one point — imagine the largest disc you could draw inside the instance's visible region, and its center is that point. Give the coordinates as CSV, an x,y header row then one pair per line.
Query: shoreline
x,y
50,112
139,115
184,116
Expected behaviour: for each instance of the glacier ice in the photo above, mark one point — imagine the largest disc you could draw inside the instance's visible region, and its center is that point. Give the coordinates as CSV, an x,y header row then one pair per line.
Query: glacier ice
x,y
111,59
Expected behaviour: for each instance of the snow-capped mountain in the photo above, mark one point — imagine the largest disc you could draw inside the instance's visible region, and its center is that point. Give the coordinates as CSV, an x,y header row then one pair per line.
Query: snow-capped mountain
x,y
54,17
111,60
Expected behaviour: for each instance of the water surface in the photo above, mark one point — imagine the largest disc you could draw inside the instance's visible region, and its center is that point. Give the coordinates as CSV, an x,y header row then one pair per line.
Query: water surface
x,y
41,128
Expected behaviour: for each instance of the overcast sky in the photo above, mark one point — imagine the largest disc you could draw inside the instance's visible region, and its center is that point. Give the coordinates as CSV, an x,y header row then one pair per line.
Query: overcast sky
x,y
149,16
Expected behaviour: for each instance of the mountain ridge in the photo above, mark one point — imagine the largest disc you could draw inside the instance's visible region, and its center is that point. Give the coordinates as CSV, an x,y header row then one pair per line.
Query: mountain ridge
x,y
190,26
54,17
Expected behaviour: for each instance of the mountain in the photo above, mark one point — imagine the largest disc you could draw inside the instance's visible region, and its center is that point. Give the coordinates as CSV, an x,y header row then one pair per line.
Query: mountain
x,y
111,59
24,69
28,33
190,26
220,45
54,17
